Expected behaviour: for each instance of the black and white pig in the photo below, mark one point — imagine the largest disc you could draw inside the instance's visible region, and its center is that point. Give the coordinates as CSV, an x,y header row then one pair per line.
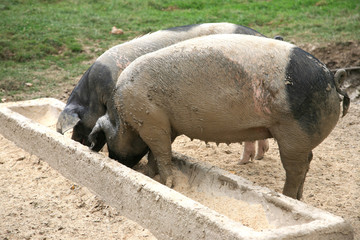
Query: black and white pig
x,y
223,88
88,100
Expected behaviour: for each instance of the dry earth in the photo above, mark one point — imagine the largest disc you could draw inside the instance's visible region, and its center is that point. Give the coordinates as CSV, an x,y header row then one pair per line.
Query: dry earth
x,y
38,203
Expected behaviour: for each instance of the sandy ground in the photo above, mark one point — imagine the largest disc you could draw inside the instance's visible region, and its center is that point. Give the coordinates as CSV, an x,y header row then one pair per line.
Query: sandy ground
x,y
39,203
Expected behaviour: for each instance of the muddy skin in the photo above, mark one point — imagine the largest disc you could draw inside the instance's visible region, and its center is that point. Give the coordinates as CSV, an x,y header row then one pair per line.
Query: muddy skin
x,y
89,99
224,88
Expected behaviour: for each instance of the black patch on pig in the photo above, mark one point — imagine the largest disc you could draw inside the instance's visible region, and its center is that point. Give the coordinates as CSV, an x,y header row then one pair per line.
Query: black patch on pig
x,y
306,82
246,30
238,30
184,28
129,160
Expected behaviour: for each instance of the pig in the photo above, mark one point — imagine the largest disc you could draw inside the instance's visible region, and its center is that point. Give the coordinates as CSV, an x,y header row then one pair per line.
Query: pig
x,y
89,99
222,88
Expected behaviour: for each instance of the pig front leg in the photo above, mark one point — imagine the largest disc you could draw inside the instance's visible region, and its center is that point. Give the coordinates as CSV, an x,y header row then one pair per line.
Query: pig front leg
x,y
160,157
156,133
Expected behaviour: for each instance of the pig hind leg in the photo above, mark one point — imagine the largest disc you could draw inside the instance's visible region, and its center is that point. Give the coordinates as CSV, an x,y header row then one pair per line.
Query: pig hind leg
x,y
296,167
295,152
301,188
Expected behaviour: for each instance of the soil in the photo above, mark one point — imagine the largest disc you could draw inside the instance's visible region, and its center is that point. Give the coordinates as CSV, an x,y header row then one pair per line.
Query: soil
x,y
39,203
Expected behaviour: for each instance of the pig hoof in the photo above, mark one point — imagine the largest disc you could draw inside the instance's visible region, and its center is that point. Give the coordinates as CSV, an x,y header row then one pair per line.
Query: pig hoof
x,y
243,162
259,157
246,159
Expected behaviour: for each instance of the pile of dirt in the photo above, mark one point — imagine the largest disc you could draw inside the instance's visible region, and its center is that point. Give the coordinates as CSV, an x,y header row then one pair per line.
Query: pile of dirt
x,y
341,55
337,55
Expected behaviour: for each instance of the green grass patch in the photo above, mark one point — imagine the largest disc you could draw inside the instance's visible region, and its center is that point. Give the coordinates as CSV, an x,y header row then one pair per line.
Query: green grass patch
x,y
36,35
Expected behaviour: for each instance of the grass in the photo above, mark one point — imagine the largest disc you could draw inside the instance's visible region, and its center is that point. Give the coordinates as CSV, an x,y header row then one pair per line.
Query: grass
x,y
45,45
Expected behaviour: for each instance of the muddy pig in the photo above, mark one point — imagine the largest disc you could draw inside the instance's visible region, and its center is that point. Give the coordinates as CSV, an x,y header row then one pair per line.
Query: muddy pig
x,y
222,88
89,99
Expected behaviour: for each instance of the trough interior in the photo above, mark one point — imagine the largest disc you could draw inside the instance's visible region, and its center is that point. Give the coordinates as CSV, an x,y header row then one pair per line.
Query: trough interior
x,y
204,185
46,114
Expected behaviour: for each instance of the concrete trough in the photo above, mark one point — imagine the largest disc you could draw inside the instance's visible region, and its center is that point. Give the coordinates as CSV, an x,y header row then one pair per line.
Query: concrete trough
x,y
167,213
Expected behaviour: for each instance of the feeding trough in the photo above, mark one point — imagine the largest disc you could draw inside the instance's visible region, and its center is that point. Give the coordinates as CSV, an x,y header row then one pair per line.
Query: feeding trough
x,y
167,213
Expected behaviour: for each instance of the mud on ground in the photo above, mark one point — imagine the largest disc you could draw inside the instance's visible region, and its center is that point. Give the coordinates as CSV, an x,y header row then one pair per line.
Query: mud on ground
x,y
38,203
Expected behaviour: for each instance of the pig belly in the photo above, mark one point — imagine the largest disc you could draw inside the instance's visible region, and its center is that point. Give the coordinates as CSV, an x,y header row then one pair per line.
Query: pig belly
x,y
227,135
224,126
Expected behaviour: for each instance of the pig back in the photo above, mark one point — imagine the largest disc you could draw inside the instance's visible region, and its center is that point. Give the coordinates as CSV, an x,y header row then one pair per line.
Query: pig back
x,y
119,57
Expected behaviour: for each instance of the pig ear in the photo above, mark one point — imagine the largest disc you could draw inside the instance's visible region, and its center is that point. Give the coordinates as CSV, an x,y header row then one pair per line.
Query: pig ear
x,y
66,121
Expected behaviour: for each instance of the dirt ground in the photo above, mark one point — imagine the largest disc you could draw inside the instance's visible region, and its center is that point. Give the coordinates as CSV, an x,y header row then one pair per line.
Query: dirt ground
x,y
38,203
